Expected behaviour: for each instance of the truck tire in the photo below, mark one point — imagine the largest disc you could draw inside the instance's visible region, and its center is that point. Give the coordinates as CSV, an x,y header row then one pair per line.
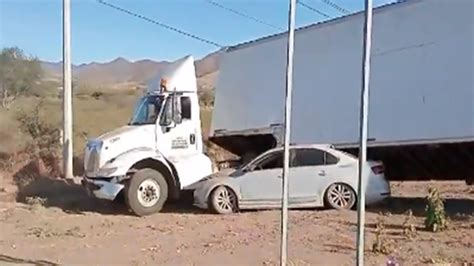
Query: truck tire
x,y
146,192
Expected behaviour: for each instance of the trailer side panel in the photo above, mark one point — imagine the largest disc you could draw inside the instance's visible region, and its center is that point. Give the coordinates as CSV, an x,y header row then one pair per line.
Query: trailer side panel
x,y
421,83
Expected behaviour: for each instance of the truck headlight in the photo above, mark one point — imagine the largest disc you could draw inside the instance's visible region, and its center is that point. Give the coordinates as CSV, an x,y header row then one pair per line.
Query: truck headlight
x,y
94,144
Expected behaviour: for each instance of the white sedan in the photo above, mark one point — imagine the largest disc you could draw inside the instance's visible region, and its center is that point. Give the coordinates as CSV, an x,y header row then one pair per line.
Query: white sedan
x,y
319,176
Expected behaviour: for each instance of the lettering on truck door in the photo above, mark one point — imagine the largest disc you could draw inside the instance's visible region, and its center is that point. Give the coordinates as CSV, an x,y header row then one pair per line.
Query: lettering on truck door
x,y
184,141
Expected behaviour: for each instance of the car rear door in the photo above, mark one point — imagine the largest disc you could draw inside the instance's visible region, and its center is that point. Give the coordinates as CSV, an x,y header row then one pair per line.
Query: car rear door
x,y
311,170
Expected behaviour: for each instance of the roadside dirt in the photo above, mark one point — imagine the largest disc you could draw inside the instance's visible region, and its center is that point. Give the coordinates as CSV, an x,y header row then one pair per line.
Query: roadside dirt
x,y
54,223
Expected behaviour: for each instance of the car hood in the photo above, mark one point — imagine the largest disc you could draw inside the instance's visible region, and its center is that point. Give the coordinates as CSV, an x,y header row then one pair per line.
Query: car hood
x,y
222,174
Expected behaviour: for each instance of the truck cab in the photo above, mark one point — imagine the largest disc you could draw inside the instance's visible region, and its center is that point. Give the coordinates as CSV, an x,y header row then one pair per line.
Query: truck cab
x,y
159,152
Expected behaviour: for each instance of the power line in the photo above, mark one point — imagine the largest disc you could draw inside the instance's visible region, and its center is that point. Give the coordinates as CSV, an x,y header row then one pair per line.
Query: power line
x,y
336,6
243,15
313,9
163,25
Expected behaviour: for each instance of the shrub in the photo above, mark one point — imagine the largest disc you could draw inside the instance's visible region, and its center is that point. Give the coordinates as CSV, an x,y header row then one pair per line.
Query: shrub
x,y
409,229
45,140
435,215
381,245
206,98
97,94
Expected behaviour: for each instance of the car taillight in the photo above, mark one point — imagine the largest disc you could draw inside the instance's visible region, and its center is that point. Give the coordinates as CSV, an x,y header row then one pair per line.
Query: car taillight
x,y
378,169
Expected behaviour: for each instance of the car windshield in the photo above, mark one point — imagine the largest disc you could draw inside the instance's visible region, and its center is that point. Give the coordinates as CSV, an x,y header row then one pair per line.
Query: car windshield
x,y
147,110
269,161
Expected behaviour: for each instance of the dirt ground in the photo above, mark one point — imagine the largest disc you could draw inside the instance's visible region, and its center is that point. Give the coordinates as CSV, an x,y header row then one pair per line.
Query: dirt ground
x,y
54,223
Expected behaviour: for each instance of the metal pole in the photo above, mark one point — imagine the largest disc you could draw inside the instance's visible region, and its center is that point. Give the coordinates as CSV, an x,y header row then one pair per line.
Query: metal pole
x,y
364,105
286,162
67,94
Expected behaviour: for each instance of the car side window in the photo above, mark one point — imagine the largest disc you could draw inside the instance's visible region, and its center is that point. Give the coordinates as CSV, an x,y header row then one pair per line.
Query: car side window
x,y
330,159
308,157
312,157
272,161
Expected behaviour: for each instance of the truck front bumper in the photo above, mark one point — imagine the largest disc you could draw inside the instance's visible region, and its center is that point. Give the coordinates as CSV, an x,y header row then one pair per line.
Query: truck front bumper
x,y
102,189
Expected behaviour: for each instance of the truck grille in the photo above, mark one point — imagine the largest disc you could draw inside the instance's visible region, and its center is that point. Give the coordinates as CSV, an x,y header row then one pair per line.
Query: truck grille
x,y
93,161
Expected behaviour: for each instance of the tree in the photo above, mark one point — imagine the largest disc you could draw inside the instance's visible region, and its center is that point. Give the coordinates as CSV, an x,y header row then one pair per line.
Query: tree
x,y
18,74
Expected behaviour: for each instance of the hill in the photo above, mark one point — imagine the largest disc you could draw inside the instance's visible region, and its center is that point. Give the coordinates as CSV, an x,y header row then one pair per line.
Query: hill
x,y
122,71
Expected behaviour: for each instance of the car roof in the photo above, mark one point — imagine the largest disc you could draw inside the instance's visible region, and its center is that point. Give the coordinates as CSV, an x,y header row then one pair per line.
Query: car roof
x,y
306,146
324,147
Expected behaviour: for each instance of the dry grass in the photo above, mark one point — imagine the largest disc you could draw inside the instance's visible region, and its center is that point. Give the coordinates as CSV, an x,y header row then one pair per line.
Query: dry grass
x,y
96,116
92,116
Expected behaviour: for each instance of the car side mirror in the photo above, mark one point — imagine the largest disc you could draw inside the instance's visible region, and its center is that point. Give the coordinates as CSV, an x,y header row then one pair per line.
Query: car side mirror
x,y
249,168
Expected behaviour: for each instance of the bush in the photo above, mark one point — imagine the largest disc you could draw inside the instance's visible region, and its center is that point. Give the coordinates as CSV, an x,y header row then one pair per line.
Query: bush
x,y
7,162
45,140
435,215
97,94
206,98
381,245
409,229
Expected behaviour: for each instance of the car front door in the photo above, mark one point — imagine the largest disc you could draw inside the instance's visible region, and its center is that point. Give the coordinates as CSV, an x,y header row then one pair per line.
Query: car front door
x,y
261,180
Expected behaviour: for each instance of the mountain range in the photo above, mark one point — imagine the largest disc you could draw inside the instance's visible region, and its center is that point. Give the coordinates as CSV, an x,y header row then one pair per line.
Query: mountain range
x,y
123,71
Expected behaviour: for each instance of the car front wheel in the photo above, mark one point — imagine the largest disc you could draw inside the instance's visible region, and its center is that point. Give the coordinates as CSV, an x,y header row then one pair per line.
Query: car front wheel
x,y
223,200
340,196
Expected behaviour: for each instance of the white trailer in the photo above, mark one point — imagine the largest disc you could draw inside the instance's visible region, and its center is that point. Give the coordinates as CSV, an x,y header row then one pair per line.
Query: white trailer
x,y
422,90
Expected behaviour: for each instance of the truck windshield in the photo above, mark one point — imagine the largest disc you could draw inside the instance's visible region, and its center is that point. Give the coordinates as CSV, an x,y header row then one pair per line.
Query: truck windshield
x,y
147,110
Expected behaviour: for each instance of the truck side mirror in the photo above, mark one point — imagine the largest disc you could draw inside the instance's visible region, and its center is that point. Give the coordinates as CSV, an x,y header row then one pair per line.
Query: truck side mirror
x,y
176,110
166,119
171,115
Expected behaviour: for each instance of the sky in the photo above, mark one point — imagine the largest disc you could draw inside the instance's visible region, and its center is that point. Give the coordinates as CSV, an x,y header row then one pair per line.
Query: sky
x,y
100,33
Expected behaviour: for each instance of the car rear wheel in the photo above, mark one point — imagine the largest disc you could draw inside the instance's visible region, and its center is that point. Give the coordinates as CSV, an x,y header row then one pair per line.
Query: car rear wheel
x,y
223,200
340,196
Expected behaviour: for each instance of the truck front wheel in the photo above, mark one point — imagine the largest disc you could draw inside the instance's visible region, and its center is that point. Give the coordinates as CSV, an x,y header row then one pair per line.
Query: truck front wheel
x,y
146,192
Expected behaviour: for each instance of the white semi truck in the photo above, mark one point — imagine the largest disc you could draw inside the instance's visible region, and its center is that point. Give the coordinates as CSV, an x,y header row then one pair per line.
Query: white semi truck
x,y
159,152
421,117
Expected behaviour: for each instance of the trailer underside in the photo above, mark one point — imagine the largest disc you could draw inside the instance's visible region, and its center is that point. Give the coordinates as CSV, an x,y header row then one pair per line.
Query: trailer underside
x,y
453,161
446,161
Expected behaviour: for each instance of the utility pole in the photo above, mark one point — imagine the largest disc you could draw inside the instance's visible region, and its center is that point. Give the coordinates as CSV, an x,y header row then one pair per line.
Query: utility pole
x,y
364,111
67,94
286,159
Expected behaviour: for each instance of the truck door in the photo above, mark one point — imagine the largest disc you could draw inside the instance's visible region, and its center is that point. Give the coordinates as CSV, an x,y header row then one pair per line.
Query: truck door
x,y
176,137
